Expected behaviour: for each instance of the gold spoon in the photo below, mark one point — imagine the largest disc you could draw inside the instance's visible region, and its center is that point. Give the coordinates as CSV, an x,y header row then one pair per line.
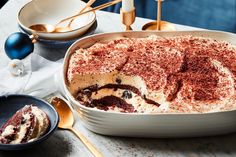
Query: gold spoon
x,y
53,28
56,28
68,27
67,121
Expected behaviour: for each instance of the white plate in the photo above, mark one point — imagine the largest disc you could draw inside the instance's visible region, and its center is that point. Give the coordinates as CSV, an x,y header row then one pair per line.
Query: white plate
x,y
51,12
158,124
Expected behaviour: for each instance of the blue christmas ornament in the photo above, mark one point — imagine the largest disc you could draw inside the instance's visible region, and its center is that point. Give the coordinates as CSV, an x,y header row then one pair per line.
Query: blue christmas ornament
x,y
18,46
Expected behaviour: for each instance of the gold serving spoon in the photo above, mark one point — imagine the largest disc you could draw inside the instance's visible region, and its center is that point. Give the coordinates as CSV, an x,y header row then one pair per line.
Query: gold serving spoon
x,y
54,28
68,27
67,121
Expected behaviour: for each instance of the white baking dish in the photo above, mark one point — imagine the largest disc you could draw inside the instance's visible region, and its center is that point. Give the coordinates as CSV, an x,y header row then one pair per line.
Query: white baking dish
x,y
151,125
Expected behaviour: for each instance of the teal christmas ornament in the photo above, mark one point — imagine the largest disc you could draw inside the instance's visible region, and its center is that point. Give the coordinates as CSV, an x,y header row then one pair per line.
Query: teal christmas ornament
x,y
18,45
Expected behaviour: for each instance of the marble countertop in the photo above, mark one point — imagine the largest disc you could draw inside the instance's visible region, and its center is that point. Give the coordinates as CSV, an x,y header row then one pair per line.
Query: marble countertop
x,y
64,144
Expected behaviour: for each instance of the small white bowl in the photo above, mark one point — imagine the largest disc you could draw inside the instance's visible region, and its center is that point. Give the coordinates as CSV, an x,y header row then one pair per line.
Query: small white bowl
x,y
53,11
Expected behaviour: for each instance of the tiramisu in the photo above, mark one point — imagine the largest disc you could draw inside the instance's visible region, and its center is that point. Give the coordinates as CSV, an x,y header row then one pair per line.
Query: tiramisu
x,y
148,75
27,124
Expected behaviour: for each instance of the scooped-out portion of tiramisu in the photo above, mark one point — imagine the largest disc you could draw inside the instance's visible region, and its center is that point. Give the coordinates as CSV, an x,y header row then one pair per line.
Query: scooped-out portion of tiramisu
x,y
27,124
182,74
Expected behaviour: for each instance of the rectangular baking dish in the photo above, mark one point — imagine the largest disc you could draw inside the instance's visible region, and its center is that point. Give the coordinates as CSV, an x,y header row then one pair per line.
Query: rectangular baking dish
x,y
162,125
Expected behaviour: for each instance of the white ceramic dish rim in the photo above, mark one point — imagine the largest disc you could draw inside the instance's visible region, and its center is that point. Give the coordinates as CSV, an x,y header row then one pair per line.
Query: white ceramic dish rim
x,y
31,30
69,95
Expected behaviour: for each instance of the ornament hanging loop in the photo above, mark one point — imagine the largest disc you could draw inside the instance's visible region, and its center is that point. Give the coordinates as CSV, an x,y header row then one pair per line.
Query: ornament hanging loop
x,y
34,38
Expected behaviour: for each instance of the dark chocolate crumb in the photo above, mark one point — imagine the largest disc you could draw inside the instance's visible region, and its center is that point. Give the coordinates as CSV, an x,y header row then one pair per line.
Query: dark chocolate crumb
x,y
118,81
127,94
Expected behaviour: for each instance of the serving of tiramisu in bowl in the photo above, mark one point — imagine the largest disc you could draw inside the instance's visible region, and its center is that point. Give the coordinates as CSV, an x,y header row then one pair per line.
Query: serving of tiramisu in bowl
x,y
154,84
25,121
